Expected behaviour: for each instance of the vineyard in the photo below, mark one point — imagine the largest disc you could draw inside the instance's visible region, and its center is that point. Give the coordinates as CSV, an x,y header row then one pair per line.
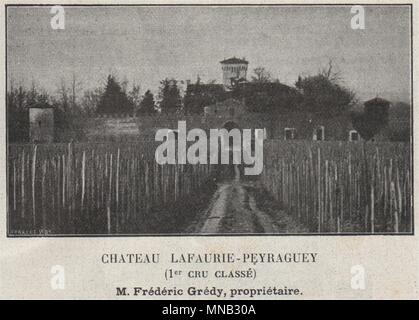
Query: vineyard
x,y
342,187
93,188
109,188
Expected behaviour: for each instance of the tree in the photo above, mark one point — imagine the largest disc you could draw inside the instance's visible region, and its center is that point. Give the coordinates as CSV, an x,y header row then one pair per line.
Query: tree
x,y
134,96
67,95
63,94
19,100
147,105
323,94
17,115
114,100
329,73
269,97
198,95
170,100
261,75
68,115
373,119
90,101
400,127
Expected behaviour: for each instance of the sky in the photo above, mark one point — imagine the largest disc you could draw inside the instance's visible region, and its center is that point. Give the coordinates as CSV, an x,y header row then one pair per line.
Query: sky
x,y
147,44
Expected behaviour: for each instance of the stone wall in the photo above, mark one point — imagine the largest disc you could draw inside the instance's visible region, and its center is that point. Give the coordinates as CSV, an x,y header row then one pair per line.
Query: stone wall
x,y
104,128
145,126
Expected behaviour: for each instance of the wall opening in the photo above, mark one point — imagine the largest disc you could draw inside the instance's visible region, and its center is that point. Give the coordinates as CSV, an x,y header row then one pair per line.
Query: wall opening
x,y
354,135
289,133
318,134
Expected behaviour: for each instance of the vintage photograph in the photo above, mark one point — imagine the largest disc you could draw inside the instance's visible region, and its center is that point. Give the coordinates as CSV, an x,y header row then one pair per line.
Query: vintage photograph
x,y
209,120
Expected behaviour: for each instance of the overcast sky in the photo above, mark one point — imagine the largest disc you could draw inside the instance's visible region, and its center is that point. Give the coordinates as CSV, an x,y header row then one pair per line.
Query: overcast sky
x,y
147,44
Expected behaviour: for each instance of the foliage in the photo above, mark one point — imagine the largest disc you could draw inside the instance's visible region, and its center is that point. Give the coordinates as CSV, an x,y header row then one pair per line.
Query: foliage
x,y
147,104
18,115
90,101
199,95
399,122
373,119
269,97
134,97
169,96
114,99
323,94
261,75
402,134
68,115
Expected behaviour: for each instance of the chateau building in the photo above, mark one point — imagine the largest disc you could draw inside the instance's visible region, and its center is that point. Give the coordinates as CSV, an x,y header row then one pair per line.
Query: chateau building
x,y
216,106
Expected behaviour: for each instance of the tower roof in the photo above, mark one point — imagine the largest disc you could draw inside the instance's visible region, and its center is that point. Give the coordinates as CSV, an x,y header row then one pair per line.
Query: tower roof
x,y
234,60
377,101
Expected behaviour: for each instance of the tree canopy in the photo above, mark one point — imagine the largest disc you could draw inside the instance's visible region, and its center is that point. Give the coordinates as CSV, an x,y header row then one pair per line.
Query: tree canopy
x,y
269,97
261,75
169,95
323,95
373,119
199,95
147,104
114,100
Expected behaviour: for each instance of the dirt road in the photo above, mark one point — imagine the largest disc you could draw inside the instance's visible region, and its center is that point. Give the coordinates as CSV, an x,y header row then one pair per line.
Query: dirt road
x,y
234,208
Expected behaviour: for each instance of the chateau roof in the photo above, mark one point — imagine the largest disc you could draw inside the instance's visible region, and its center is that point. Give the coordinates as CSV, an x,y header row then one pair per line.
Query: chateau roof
x,y
234,60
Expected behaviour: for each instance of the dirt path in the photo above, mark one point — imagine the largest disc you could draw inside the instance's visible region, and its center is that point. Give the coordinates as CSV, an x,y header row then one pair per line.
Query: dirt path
x,y
217,210
234,209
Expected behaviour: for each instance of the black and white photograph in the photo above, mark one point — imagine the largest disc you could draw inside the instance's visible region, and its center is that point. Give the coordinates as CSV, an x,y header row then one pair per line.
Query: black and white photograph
x,y
206,120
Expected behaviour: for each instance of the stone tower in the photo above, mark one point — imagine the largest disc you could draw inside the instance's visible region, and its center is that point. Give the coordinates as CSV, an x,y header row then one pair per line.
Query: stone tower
x,y
234,70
